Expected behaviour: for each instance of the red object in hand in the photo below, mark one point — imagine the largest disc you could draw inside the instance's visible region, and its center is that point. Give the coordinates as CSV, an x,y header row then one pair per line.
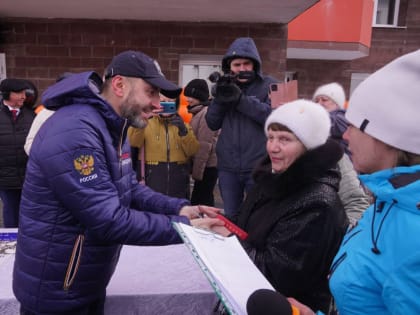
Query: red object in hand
x,y
233,227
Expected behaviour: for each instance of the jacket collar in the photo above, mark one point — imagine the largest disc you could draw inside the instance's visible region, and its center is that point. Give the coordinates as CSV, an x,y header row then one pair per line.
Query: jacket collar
x,y
398,184
317,165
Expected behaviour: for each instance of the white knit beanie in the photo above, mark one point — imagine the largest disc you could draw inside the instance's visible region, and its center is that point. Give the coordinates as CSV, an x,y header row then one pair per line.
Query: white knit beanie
x,y
334,91
386,105
309,121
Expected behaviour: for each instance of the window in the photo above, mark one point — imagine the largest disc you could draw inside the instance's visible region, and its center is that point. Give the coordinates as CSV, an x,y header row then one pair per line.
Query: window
x,y
198,67
386,13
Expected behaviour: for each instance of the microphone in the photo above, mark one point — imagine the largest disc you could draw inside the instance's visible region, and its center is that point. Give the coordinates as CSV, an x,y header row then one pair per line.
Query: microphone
x,y
269,302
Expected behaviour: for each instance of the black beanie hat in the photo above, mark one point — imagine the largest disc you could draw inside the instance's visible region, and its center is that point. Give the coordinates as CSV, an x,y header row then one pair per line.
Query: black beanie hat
x,y
13,85
198,89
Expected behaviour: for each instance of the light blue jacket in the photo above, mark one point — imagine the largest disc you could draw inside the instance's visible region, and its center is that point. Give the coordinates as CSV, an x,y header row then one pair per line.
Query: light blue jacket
x,y
377,269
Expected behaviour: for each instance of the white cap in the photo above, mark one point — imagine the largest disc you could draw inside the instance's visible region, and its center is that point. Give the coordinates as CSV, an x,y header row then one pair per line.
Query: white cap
x,y
386,105
333,91
309,121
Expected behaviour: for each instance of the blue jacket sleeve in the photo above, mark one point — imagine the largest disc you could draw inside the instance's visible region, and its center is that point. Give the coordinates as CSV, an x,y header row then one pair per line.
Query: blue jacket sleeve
x,y
215,115
254,109
144,198
102,204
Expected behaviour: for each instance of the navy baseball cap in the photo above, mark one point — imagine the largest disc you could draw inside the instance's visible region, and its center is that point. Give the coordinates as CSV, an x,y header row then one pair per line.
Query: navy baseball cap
x,y
136,64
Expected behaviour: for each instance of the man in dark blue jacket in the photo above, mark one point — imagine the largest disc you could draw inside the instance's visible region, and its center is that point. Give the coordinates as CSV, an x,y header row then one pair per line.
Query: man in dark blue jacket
x,y
240,108
81,199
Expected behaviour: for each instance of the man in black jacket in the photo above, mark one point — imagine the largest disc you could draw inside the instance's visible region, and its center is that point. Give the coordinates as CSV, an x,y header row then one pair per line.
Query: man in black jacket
x,y
15,121
239,108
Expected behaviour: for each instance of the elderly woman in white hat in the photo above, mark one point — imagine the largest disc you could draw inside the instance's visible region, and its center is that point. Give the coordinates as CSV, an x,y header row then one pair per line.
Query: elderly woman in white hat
x,y
376,270
293,215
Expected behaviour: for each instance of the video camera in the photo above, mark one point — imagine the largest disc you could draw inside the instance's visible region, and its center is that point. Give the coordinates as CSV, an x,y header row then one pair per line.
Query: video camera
x,y
217,77
226,90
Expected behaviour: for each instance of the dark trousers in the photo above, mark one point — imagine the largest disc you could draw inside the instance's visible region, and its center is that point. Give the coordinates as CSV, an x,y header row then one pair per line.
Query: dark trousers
x,y
233,187
202,193
94,308
11,202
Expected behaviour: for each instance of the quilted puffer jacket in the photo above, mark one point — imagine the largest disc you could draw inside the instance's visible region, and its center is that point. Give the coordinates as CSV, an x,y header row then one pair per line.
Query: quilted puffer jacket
x,y
81,202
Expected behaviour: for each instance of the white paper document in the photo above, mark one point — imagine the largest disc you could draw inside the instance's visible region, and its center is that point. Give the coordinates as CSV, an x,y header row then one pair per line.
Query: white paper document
x,y
226,265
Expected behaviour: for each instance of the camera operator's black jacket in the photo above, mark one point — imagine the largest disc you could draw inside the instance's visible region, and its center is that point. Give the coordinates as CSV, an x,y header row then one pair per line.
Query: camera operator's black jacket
x,y
242,139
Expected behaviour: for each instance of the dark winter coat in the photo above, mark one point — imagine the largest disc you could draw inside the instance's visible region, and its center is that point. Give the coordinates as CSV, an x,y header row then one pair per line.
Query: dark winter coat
x,y
81,201
206,155
241,142
339,125
295,222
13,158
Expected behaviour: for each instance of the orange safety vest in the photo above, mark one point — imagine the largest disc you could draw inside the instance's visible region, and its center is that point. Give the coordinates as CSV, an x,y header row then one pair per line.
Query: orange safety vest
x,y
182,110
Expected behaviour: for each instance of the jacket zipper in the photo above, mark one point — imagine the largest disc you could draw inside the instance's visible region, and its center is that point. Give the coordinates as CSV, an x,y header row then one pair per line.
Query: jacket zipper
x,y
120,145
168,158
336,264
74,262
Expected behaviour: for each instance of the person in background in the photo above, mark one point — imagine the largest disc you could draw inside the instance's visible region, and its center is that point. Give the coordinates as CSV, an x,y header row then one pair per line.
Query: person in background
x,y
240,107
42,114
204,166
169,145
15,121
81,200
293,215
332,97
376,270
353,196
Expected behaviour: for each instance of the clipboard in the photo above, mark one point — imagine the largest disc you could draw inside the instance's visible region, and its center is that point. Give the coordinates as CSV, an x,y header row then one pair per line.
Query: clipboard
x,y
224,262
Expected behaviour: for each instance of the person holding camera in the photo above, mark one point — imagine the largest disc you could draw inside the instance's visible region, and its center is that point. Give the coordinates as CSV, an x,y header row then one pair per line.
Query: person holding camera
x,y
239,108
167,144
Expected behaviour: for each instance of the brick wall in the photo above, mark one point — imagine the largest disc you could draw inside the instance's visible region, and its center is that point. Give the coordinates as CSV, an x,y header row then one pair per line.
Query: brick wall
x,y
41,49
386,45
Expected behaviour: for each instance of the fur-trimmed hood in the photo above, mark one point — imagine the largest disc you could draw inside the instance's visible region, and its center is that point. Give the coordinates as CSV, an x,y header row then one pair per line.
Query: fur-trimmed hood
x,y
313,166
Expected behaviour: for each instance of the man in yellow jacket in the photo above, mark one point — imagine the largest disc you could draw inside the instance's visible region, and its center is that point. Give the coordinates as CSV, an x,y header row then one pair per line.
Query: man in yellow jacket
x,y
168,145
